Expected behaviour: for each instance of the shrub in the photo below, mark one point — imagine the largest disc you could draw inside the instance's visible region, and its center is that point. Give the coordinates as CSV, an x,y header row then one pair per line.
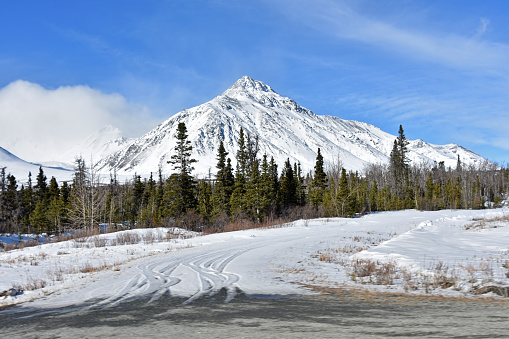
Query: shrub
x,y
127,238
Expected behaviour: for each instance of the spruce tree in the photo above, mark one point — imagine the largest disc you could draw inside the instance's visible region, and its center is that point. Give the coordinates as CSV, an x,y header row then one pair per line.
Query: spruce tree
x,y
319,182
299,184
159,200
41,187
254,197
39,218
3,210
55,208
181,185
80,210
275,186
205,200
288,186
242,158
399,159
137,197
147,215
223,185
27,204
373,194
237,204
345,197
9,205
399,164
266,185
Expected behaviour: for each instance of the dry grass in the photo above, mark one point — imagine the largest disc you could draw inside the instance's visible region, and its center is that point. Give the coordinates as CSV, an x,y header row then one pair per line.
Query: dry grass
x,y
243,224
373,272
127,238
88,268
153,236
99,241
443,276
480,224
149,238
20,245
81,237
177,233
32,284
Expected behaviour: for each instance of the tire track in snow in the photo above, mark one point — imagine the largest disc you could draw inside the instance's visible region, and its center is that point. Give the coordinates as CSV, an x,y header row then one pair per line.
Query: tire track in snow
x,y
203,268
157,278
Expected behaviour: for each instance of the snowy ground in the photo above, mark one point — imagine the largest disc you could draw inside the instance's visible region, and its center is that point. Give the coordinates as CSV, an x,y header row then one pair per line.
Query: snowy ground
x,y
452,253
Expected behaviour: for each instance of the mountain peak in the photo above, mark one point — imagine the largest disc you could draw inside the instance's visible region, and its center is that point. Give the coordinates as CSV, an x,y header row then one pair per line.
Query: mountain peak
x,y
248,85
284,130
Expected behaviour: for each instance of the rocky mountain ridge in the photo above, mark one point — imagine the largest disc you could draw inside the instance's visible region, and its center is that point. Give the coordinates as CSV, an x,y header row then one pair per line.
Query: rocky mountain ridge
x,y
285,130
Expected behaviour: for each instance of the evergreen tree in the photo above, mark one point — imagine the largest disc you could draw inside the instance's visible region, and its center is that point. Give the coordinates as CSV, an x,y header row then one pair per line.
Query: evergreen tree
x,y
159,200
399,164
255,198
345,197
205,200
268,191
53,189
39,218
9,212
147,215
373,194
319,183
224,183
242,158
275,186
237,200
137,198
27,204
458,164
180,194
288,186
299,184
55,208
399,160
3,211
41,187
80,210
251,151
429,195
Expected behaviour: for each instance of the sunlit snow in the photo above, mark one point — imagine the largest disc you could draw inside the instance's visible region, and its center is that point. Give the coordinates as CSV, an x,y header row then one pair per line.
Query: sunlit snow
x,y
285,260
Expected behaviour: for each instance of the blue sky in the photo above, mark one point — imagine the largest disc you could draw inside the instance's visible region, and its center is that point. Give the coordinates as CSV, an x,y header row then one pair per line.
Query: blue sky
x,y
439,68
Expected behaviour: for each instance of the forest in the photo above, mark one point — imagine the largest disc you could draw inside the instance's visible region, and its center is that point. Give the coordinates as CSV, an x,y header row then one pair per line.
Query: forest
x,y
255,193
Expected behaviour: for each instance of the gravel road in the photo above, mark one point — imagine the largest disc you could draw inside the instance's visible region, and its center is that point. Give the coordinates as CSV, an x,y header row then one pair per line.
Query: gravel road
x,y
332,314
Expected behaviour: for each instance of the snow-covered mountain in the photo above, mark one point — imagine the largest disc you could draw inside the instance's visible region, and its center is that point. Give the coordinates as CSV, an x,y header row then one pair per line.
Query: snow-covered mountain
x,y
97,146
20,168
285,130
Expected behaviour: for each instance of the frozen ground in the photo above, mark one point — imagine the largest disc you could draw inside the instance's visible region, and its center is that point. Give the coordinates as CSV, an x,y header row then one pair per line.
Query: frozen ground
x,y
452,253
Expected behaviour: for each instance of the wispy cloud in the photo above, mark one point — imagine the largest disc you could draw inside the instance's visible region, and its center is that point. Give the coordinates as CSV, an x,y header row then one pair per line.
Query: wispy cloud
x,y
344,21
483,26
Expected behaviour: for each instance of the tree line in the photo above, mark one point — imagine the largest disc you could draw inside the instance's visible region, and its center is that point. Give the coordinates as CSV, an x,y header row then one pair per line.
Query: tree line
x,y
255,191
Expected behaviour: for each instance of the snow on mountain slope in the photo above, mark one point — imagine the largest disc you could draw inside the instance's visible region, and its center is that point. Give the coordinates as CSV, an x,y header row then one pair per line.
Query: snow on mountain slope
x,y
101,144
285,130
20,168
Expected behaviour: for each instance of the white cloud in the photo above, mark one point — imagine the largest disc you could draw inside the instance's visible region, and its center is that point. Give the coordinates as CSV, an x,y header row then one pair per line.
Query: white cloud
x,y
483,26
344,21
39,124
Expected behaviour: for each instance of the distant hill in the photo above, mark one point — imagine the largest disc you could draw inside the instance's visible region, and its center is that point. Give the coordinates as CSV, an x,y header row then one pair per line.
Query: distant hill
x,y
20,168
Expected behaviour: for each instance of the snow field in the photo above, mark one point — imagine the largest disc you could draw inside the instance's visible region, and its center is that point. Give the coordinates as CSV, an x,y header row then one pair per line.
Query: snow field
x,y
43,269
451,253
454,255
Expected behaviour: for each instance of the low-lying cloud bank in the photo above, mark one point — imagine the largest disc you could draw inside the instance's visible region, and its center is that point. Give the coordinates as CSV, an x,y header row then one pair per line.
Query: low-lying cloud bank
x,y
40,124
